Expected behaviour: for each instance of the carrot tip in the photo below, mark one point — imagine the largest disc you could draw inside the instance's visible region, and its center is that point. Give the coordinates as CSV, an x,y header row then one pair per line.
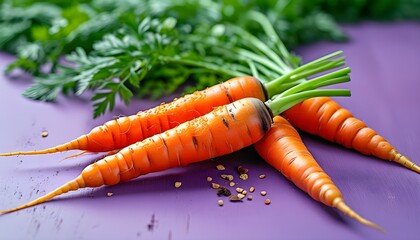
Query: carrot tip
x,y
35,152
342,206
9,154
76,155
3,212
403,160
69,186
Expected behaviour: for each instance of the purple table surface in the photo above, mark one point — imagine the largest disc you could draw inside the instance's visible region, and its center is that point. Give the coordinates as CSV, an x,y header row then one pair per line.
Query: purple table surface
x,y
385,87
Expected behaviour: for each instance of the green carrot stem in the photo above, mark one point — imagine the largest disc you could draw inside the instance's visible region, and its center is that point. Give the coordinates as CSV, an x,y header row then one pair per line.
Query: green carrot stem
x,y
260,59
205,65
267,26
325,66
314,67
335,77
280,104
254,41
253,69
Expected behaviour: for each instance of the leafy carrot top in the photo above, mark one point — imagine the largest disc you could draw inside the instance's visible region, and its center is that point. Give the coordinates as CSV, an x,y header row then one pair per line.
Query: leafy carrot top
x,y
136,48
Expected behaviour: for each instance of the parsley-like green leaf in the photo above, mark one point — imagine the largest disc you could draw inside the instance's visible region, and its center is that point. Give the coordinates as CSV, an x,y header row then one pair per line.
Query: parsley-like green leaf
x,y
126,48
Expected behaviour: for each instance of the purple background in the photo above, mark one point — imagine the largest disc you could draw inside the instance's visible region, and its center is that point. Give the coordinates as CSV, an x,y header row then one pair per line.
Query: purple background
x,y
385,62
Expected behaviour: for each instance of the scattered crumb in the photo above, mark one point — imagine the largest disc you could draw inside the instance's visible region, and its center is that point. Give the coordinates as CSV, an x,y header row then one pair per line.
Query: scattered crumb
x,y
240,195
227,177
243,176
223,191
178,184
220,167
242,170
44,134
235,198
240,192
109,194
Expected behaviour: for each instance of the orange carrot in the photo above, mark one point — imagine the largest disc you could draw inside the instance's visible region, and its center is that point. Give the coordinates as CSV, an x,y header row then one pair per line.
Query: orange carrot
x,y
283,149
121,132
324,117
224,130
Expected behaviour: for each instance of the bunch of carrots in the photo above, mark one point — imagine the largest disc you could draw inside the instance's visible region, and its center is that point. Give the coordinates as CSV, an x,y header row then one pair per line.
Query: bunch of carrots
x,y
227,117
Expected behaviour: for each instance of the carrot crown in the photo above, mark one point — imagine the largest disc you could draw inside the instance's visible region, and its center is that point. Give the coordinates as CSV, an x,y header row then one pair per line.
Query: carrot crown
x,y
309,89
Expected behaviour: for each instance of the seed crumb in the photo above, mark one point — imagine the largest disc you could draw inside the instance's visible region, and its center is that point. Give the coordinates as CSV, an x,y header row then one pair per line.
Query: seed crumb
x,y
220,167
215,185
209,179
242,170
220,202
44,134
263,193
240,195
267,201
178,184
243,176
249,197
262,176
109,194
251,189
235,198
223,191
232,184
239,190
244,192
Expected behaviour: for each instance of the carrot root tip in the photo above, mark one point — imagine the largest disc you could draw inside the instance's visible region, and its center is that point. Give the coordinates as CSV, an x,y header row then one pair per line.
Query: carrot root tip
x,y
344,208
69,186
403,160
76,155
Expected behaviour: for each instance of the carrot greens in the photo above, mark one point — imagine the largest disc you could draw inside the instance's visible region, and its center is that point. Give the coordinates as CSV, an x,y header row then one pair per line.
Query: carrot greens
x,y
132,49
150,48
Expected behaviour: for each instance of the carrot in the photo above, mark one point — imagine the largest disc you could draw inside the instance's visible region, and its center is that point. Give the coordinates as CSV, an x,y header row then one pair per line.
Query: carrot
x,y
121,132
324,117
124,131
226,129
283,149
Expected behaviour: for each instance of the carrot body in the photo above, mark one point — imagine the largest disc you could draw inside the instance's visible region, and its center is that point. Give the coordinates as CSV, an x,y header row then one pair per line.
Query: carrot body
x,y
121,132
324,117
224,130
283,149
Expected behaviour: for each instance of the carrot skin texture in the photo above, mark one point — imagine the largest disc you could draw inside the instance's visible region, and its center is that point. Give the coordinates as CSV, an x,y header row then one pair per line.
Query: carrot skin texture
x,y
128,130
324,117
224,130
196,140
121,132
282,148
